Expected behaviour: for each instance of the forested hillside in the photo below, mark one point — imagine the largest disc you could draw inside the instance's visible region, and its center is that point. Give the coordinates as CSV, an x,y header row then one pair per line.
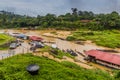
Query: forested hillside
x,y
70,21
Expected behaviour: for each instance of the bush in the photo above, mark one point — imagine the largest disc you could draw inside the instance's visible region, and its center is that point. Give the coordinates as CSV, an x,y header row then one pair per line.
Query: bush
x,y
87,33
70,38
59,54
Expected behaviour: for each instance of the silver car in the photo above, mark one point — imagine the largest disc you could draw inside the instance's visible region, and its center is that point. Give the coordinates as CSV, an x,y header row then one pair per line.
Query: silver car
x,y
13,45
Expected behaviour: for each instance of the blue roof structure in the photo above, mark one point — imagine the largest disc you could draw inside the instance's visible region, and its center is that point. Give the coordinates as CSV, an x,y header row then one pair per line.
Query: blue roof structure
x,y
23,36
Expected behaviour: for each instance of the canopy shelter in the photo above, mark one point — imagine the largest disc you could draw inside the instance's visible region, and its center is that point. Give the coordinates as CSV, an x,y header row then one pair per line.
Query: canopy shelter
x,y
22,36
35,38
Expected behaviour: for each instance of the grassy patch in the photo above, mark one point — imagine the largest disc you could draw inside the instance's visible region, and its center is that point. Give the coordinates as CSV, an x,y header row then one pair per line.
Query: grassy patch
x,y
59,54
103,38
4,41
5,38
54,32
55,52
14,68
45,49
4,48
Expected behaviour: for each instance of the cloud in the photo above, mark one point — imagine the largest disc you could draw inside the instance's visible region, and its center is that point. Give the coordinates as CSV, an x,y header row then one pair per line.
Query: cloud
x,y
34,6
97,6
42,7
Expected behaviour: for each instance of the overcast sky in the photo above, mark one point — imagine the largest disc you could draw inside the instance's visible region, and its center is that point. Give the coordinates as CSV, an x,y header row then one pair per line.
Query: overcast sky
x,y
42,7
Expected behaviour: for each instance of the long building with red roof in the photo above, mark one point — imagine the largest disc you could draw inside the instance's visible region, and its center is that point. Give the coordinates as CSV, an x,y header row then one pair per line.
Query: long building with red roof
x,y
104,58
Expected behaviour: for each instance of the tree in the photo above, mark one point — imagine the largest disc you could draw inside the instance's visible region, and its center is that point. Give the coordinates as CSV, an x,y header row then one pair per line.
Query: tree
x,y
74,11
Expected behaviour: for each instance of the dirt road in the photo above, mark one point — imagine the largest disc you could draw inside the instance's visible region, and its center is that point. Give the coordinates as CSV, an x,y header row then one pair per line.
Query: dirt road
x,y
61,44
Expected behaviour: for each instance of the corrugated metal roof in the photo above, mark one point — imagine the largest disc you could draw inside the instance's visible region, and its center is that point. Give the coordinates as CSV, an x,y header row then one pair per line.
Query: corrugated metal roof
x,y
35,38
105,56
21,35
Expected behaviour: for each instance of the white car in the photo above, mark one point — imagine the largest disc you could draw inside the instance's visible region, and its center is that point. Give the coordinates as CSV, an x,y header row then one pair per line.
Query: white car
x,y
13,45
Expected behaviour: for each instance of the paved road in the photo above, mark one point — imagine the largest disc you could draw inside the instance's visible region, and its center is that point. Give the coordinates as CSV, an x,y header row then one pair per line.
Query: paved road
x,y
24,48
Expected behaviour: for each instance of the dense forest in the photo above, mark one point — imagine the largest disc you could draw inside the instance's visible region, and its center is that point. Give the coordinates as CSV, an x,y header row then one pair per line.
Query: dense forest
x,y
71,21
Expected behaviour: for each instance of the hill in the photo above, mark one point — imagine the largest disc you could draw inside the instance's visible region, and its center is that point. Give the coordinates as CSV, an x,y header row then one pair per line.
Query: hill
x,y
14,68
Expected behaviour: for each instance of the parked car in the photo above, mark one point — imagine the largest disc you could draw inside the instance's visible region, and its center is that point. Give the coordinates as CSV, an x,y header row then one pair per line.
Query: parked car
x,y
71,52
41,44
31,43
13,45
36,44
18,44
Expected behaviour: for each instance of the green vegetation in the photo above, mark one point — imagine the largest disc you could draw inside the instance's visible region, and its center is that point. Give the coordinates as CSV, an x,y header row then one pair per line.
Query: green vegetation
x,y
69,21
102,33
54,32
55,52
14,68
5,40
103,38
45,49
59,54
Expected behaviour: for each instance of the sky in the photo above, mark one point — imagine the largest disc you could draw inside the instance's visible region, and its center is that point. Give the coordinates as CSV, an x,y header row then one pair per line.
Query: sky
x,y
42,7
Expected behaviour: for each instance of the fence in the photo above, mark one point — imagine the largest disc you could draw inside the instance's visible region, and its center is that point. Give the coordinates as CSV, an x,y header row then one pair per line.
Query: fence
x,y
7,54
12,52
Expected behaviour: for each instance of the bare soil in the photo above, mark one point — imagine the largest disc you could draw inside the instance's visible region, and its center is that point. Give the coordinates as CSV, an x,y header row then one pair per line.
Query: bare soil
x,y
61,44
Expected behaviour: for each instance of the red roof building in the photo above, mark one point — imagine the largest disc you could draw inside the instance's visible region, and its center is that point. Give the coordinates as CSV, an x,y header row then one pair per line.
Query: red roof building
x,y
35,38
104,56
